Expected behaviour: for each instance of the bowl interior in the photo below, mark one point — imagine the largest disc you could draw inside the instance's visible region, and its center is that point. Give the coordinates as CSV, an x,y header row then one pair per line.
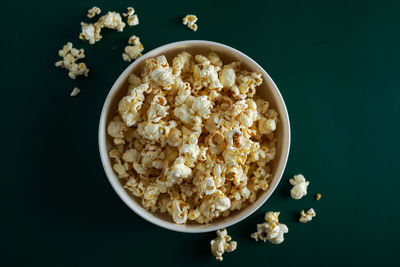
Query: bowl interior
x,y
267,90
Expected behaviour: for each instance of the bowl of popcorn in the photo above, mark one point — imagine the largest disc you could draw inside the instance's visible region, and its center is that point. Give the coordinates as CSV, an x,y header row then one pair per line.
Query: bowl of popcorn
x,y
194,136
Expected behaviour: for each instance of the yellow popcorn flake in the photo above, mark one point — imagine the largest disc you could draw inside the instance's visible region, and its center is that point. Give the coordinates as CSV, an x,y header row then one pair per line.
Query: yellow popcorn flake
x,y
318,196
185,144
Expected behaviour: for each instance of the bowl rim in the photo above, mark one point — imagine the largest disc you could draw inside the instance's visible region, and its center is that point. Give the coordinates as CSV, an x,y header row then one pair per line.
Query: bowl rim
x,y
114,180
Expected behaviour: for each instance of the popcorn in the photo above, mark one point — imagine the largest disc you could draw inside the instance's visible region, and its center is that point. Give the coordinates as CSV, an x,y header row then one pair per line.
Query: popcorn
x,y
120,170
179,211
202,106
113,20
116,129
221,202
265,126
150,196
270,230
185,144
307,216
182,63
134,50
227,77
215,59
158,109
318,196
75,91
208,186
299,188
130,12
161,73
179,169
93,12
190,22
131,155
91,31
70,55
133,20
205,74
221,244
129,106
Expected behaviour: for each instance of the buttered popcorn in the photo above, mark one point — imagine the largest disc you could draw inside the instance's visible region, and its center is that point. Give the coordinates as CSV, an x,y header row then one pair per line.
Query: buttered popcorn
x,y
271,229
187,139
221,244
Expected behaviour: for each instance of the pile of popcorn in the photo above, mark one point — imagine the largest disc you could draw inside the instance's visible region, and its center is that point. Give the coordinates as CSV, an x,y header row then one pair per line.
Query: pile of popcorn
x,y
192,139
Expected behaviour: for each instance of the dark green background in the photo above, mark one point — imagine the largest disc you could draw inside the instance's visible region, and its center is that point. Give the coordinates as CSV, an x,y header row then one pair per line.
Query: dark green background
x,y
337,66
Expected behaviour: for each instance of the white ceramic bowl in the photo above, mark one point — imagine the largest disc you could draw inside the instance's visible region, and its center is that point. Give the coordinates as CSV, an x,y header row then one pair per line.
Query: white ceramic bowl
x,y
267,90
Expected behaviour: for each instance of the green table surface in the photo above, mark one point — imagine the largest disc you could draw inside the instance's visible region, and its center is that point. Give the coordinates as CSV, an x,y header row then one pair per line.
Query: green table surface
x,y
336,64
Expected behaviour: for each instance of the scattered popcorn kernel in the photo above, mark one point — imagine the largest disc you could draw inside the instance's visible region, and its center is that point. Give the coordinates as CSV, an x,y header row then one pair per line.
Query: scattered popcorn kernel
x,y
307,216
113,20
70,55
132,20
134,50
130,12
299,189
271,229
93,12
185,145
318,196
221,244
227,77
190,22
91,31
75,91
